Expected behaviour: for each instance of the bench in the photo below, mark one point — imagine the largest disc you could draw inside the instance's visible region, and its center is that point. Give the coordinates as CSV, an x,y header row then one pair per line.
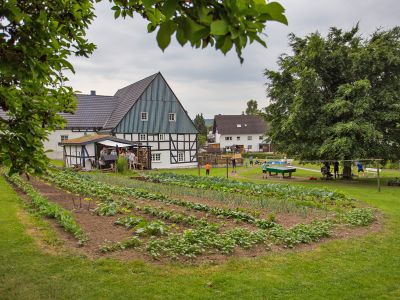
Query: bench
x,y
373,171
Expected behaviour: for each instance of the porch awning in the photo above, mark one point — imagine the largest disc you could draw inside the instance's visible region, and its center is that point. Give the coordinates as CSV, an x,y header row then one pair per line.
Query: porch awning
x,y
114,144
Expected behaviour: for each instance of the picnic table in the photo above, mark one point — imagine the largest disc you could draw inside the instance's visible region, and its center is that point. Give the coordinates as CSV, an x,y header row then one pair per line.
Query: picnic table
x,y
281,170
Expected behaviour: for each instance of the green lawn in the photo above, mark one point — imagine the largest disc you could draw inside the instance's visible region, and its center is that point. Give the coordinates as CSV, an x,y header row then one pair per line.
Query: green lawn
x,y
362,268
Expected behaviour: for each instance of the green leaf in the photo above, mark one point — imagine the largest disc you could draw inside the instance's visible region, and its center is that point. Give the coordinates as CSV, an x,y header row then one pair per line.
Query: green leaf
x,y
117,13
180,37
169,8
276,11
219,27
227,45
164,34
149,3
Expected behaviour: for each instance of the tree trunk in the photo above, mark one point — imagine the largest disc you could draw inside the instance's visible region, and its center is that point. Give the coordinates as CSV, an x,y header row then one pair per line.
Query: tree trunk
x,y
347,170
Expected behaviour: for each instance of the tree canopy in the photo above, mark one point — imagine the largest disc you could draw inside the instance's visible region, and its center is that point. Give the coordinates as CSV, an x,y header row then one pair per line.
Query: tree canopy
x,y
200,124
37,37
337,97
252,108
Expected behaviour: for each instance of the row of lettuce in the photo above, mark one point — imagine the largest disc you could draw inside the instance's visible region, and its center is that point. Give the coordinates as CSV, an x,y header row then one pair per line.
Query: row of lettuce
x,y
199,236
51,210
303,196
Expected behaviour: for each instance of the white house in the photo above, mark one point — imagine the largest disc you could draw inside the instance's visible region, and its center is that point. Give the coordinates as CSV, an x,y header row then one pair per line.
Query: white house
x,y
243,131
146,112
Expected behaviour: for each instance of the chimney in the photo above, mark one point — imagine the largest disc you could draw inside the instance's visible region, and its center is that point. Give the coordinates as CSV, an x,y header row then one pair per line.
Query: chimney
x,y
92,93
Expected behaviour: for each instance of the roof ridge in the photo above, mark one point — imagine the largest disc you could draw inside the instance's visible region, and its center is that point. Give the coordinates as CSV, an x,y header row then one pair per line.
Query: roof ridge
x,y
155,74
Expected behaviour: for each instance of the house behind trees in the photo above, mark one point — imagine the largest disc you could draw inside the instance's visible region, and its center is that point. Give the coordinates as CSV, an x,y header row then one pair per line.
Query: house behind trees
x,y
243,132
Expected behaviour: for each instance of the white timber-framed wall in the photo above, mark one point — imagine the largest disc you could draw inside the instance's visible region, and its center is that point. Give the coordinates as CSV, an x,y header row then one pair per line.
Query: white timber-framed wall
x,y
59,135
250,142
168,150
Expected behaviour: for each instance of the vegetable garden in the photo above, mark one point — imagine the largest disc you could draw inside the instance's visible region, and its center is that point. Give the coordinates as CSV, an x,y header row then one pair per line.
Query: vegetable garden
x,y
168,226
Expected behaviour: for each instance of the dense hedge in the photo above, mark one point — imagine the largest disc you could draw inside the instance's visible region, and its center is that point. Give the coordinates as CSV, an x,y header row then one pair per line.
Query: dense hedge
x,y
262,155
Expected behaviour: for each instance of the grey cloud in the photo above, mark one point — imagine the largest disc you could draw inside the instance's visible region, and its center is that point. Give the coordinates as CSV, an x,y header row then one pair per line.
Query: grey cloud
x,y
205,80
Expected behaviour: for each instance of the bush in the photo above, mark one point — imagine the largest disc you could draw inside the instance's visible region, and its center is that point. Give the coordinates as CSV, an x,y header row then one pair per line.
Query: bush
x,y
122,164
261,155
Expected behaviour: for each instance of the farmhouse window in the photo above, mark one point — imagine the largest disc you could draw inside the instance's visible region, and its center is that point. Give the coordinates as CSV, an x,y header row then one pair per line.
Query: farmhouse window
x,y
142,137
249,138
172,117
156,157
238,138
250,147
161,137
261,137
181,157
144,116
228,138
64,138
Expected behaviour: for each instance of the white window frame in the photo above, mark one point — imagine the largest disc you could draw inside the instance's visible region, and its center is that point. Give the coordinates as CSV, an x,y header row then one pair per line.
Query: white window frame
x,y
144,116
181,157
238,138
156,157
161,137
261,137
173,115
64,137
249,138
228,138
250,147
142,137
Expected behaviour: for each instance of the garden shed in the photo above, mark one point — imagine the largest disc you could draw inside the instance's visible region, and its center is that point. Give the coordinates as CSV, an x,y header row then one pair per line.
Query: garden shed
x,y
84,152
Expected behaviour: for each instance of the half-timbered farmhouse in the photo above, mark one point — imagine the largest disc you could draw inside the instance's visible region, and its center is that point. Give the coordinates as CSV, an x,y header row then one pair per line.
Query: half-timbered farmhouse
x,y
147,112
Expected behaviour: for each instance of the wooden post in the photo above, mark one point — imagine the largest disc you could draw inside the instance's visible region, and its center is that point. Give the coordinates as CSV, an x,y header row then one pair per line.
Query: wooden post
x,y
227,168
198,164
378,178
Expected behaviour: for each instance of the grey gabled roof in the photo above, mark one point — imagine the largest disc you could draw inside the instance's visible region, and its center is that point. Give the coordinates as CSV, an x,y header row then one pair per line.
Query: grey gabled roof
x,y
91,111
126,98
104,112
239,124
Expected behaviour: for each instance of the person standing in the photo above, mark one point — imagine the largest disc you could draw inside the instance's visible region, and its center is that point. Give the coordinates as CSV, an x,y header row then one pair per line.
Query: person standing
x,y
233,165
131,159
264,167
208,168
336,169
251,160
360,168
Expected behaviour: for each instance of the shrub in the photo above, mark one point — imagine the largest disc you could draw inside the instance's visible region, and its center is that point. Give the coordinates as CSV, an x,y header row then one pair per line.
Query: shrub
x,y
122,164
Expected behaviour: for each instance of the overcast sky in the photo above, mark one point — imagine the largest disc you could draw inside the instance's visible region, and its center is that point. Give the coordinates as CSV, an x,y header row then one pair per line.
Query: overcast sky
x,y
205,80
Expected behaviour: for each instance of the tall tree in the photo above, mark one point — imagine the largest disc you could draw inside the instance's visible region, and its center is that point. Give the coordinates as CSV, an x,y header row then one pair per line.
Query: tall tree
x,y
200,124
36,39
38,36
252,108
337,97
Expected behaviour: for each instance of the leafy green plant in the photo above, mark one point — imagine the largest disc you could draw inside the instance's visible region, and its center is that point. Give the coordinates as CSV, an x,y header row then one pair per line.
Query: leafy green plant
x,y
51,210
151,228
128,221
358,217
122,164
108,209
132,242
